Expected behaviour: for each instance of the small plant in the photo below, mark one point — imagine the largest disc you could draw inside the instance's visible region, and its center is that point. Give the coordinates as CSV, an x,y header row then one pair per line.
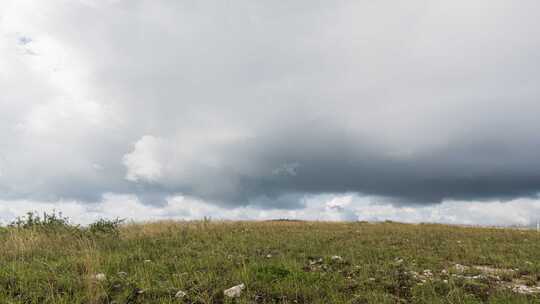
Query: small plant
x,y
478,289
271,273
105,226
401,281
49,221
506,276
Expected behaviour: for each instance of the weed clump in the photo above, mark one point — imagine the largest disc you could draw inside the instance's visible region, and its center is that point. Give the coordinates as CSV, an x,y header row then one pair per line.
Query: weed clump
x,y
47,222
105,226
271,273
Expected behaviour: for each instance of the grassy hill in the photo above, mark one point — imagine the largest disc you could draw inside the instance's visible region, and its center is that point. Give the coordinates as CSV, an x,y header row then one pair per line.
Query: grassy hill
x,y
277,261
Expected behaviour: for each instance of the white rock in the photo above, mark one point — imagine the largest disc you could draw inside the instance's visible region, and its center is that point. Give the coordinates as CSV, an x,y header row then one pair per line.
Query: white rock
x,y
478,276
235,291
337,258
460,268
524,289
100,277
427,273
180,294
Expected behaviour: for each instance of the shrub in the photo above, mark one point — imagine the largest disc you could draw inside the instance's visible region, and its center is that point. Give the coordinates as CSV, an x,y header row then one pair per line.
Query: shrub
x,y
49,221
105,226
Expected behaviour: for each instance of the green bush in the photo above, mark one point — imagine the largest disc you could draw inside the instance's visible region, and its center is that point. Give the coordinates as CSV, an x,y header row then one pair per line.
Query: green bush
x,y
105,226
49,221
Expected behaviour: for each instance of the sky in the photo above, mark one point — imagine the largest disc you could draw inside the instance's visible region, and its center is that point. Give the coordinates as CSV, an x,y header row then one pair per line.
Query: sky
x,y
415,111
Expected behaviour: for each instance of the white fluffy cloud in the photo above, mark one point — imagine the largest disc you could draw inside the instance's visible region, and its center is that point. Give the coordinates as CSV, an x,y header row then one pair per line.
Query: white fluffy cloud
x,y
349,207
144,161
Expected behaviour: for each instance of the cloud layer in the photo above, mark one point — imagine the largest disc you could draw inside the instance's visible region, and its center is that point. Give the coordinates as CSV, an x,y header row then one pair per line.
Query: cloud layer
x,y
346,207
255,104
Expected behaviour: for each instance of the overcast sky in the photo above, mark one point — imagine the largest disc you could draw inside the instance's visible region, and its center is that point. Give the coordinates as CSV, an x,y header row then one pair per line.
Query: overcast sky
x,y
330,110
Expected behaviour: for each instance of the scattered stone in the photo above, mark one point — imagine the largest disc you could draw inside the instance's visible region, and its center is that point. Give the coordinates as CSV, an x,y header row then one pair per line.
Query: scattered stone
x,y
259,298
524,289
122,273
398,260
336,258
502,277
460,268
180,294
477,277
494,271
427,273
99,277
235,291
147,261
268,256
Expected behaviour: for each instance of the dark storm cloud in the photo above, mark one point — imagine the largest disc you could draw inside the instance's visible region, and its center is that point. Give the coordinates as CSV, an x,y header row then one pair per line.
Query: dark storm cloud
x,y
260,103
327,161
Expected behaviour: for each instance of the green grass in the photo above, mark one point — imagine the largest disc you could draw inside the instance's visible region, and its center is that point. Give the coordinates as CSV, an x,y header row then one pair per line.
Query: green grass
x,y
278,261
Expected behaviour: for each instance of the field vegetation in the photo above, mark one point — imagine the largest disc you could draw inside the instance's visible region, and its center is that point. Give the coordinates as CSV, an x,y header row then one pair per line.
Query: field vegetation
x,y
45,259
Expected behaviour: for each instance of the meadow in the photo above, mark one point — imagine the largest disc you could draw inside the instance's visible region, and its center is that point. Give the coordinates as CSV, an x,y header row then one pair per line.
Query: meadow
x,y
47,260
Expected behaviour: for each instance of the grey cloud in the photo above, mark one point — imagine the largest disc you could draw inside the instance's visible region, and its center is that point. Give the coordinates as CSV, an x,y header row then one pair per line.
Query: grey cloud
x,y
420,103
